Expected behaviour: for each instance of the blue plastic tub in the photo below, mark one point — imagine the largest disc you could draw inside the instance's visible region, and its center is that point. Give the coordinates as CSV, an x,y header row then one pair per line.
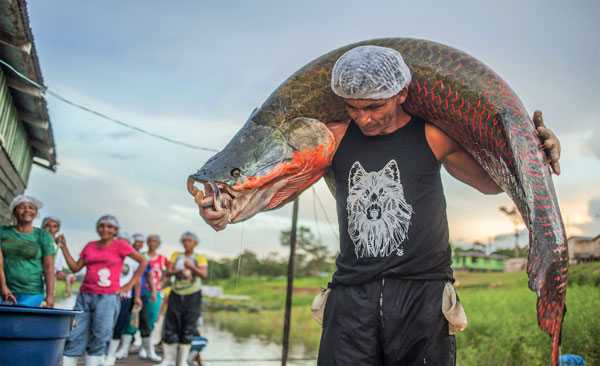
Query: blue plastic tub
x,y
33,336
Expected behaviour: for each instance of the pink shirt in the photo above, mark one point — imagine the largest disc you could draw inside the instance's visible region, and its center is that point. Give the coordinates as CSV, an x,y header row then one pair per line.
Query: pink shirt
x,y
157,266
104,266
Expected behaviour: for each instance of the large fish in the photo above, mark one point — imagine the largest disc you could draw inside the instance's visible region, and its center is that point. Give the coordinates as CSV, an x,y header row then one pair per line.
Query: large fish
x,y
288,144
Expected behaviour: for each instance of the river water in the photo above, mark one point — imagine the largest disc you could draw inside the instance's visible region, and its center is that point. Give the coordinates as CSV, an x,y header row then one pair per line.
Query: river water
x,y
225,349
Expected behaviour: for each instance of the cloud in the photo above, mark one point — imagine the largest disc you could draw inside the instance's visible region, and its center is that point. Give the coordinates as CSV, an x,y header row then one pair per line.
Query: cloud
x,y
119,135
121,156
592,143
594,207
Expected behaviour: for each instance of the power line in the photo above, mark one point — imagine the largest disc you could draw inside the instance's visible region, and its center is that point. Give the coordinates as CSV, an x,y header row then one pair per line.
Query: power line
x,y
325,214
45,90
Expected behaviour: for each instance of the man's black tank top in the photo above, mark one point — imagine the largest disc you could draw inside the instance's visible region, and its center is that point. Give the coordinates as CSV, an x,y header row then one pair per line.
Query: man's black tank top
x,y
391,207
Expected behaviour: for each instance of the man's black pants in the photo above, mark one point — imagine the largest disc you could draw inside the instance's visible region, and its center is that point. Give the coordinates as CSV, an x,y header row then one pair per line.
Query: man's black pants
x,y
182,317
386,322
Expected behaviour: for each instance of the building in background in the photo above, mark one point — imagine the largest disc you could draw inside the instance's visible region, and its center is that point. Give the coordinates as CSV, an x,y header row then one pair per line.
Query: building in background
x,y
474,260
583,249
25,130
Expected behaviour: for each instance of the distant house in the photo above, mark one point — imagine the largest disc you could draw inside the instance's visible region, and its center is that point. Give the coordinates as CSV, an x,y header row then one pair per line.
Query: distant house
x,y
477,261
515,264
583,249
25,131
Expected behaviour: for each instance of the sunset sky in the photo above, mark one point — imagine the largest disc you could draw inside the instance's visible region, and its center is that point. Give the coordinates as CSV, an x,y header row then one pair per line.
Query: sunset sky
x,y
194,70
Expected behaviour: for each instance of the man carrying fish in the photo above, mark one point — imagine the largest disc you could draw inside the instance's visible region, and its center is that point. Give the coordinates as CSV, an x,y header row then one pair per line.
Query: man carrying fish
x,y
385,304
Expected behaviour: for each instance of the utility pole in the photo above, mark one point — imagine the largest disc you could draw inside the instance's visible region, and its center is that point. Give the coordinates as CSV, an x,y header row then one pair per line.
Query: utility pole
x,y
514,216
290,286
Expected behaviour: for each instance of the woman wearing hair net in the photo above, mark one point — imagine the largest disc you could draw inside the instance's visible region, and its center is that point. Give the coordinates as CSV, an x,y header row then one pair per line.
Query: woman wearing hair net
x,y
52,225
26,257
98,298
385,302
185,301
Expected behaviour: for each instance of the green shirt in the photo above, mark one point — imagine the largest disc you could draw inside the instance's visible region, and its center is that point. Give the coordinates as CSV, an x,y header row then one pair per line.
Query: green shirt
x,y
184,285
23,258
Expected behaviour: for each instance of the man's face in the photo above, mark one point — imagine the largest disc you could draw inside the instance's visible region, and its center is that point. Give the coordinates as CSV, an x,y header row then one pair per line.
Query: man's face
x,y
189,244
25,212
52,227
153,243
138,245
107,231
373,116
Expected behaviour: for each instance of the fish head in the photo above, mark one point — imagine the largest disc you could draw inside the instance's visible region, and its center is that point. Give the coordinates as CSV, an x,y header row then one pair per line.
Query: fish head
x,y
265,165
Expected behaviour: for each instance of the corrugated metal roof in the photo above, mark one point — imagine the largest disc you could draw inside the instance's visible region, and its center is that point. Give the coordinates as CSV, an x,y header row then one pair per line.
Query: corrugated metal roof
x,y
18,49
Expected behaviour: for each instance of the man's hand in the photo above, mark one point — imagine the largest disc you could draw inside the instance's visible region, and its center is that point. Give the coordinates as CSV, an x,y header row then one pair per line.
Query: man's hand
x,y
549,143
8,296
61,242
49,301
137,301
217,219
124,291
189,263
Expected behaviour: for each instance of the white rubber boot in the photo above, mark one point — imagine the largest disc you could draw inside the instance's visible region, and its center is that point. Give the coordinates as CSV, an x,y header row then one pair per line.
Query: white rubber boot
x,y
169,354
147,350
69,361
111,357
184,352
137,342
93,360
157,331
123,350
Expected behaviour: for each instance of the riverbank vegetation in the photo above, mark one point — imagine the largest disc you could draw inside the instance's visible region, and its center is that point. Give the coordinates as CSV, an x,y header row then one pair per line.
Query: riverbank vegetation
x,y
501,310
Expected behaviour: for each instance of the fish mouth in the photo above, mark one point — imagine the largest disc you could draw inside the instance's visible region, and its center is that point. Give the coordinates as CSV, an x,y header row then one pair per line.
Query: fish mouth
x,y
246,197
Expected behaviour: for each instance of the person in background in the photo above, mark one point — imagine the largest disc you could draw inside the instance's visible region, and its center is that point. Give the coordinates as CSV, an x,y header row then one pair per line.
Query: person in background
x,y
26,257
98,298
185,301
151,297
52,225
130,331
128,301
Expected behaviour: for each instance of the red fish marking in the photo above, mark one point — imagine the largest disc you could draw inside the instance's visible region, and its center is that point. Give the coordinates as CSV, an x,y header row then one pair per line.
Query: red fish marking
x,y
304,169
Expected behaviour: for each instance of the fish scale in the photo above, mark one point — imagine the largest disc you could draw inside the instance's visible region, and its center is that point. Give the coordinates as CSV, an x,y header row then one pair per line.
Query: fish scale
x,y
473,105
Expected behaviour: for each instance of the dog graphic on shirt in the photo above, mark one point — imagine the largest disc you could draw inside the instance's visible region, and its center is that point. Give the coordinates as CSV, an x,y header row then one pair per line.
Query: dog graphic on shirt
x,y
378,214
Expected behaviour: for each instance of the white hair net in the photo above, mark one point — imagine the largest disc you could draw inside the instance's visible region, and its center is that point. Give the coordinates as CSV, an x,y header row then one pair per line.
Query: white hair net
x,y
22,198
108,219
189,235
138,237
155,237
47,219
369,72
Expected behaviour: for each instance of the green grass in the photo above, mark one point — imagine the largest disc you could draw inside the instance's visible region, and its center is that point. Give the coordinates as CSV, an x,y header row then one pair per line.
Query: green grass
x,y
501,310
60,290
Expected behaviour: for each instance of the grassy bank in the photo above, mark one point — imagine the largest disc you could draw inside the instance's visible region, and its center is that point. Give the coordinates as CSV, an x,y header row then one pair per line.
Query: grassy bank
x,y
60,292
502,320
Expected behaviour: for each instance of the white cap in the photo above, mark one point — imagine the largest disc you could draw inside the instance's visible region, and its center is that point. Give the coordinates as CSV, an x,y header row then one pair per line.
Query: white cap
x,y
369,72
50,218
189,235
22,198
138,237
108,219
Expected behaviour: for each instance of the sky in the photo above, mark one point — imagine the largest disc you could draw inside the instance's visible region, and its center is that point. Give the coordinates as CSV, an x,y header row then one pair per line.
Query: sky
x,y
194,71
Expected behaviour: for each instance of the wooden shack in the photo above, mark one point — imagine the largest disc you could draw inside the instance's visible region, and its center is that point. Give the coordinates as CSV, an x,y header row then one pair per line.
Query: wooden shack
x,y
25,130
584,249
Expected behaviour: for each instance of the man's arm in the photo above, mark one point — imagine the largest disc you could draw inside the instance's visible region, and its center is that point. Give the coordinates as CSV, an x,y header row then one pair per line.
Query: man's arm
x,y
74,265
49,276
200,271
6,294
138,272
458,162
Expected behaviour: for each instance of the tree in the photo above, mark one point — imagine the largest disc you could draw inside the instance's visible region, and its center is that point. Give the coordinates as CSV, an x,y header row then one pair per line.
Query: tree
x,y
312,256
